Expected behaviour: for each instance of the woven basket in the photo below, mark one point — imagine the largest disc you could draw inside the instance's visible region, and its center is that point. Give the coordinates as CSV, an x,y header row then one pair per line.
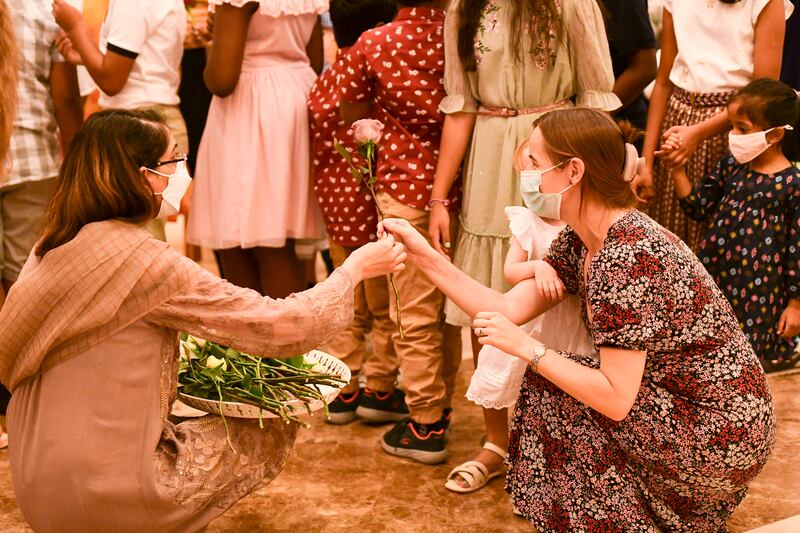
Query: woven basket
x,y
331,365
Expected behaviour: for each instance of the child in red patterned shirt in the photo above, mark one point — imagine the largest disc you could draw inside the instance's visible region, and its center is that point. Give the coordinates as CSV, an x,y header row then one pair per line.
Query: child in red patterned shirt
x,y
394,74
351,221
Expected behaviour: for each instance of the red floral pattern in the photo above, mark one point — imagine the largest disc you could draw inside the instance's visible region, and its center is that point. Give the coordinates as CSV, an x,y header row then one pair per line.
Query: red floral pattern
x,y
400,68
702,425
347,207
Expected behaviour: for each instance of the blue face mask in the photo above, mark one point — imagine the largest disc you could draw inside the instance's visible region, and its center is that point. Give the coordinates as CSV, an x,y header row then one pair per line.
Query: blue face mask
x,y
542,204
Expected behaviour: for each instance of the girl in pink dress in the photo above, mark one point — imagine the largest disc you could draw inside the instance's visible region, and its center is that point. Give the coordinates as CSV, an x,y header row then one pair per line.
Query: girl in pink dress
x,y
253,199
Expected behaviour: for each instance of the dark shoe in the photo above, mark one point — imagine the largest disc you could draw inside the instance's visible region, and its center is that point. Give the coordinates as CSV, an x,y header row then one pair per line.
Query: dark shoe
x,y
423,443
379,407
342,410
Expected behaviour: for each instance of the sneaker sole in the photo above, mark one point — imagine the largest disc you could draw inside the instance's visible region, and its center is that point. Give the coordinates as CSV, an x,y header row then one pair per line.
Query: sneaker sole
x,y
377,416
339,419
420,456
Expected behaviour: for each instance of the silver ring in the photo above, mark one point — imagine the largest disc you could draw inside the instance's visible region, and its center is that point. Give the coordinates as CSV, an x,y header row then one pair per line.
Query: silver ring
x,y
479,332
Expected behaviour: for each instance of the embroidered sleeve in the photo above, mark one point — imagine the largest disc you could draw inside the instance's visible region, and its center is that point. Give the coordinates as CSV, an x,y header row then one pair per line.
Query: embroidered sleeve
x,y
214,309
565,257
456,80
590,56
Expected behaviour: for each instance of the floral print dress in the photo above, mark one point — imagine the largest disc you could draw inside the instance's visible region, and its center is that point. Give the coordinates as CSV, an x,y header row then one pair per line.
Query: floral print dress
x,y
701,427
752,249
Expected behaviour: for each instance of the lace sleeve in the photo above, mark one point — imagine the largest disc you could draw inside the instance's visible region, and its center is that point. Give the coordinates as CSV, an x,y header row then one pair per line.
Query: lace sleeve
x,y
590,56
213,309
457,86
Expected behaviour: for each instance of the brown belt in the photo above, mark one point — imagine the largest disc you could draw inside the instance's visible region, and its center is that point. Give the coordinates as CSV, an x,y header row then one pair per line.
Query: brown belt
x,y
508,112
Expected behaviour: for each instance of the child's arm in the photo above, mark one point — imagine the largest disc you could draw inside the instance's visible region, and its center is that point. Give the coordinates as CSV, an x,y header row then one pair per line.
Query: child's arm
x,y
66,100
517,267
227,51
110,71
314,48
789,323
700,201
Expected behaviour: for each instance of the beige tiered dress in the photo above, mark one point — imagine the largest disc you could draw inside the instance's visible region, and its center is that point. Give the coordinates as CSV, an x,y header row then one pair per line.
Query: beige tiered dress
x,y
92,362
579,70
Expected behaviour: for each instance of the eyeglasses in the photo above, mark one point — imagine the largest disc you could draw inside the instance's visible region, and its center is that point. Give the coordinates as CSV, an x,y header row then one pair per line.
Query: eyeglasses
x,y
178,159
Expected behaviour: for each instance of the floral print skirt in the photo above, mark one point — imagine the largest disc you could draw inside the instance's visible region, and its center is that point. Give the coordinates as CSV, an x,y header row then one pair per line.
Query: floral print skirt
x,y
669,466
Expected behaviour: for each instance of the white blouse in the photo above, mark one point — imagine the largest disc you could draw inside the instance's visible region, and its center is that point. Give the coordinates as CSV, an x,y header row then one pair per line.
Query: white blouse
x,y
715,43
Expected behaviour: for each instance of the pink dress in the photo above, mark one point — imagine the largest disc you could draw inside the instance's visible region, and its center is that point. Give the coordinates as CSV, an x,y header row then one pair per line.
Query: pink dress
x,y
253,181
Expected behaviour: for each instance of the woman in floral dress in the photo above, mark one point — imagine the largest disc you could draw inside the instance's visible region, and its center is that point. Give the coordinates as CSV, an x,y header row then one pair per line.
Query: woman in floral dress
x,y
666,430
506,63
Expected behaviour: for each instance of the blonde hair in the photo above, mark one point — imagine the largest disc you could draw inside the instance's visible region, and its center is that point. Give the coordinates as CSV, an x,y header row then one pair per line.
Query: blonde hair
x,y
8,82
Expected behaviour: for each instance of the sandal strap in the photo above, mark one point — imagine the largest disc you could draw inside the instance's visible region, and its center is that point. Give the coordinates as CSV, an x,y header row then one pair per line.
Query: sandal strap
x,y
473,472
495,448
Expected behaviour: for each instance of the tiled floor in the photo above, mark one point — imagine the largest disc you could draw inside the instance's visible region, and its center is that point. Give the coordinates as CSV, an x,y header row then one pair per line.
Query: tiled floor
x,y
340,480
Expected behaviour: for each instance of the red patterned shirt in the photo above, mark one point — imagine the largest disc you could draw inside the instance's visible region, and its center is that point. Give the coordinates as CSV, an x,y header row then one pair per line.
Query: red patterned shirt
x,y
348,209
400,68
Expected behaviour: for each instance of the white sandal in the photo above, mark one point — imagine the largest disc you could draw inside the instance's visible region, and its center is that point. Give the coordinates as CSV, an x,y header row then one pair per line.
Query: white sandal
x,y
474,473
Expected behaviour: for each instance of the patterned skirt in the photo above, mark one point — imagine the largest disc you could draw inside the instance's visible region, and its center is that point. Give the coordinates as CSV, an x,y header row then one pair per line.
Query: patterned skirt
x,y
685,108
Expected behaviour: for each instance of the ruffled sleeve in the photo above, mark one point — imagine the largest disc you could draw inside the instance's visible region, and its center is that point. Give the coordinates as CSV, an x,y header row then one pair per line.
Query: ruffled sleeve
x,y
213,309
521,224
275,8
589,55
457,86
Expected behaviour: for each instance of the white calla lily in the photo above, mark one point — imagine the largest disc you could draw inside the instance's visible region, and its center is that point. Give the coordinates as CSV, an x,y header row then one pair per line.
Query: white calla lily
x,y
213,362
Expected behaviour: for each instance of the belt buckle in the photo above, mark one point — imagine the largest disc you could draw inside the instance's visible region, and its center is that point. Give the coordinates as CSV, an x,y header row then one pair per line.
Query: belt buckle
x,y
511,112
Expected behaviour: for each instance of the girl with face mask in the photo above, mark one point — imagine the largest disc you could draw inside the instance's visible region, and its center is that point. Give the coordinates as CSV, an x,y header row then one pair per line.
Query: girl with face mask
x,y
752,199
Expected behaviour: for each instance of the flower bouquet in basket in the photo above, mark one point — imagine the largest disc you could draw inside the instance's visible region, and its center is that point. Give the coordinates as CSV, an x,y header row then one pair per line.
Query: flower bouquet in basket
x,y
367,134
224,381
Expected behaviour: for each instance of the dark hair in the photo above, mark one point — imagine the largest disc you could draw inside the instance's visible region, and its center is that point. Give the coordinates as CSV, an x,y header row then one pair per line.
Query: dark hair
x,y
100,177
599,141
543,15
351,18
770,103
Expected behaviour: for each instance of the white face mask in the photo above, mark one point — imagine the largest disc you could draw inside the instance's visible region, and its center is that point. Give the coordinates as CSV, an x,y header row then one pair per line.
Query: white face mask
x,y
546,205
746,147
176,188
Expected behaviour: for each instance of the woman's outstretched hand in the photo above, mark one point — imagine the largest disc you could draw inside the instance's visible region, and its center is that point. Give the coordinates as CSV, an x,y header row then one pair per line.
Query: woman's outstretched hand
x,y
494,329
417,246
380,258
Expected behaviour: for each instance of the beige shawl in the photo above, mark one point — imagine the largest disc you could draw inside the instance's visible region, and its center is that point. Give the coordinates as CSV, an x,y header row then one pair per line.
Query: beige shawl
x,y
109,276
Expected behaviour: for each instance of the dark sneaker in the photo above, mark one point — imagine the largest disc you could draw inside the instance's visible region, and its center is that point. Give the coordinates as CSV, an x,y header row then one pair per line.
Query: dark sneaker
x,y
379,407
342,410
423,443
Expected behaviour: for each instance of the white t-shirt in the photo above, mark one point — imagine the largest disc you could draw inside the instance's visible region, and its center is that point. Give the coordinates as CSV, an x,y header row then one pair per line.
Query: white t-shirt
x,y
152,33
716,42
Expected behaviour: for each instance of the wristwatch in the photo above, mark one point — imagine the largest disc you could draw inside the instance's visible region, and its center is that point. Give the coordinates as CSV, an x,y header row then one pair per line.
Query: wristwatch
x,y
538,353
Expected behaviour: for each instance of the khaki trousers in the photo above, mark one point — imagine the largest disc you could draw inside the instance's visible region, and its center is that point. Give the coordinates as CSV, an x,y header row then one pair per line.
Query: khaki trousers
x,y
371,314
431,352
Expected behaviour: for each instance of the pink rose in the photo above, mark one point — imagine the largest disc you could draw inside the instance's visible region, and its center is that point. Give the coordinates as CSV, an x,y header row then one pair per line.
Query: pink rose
x,y
367,130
